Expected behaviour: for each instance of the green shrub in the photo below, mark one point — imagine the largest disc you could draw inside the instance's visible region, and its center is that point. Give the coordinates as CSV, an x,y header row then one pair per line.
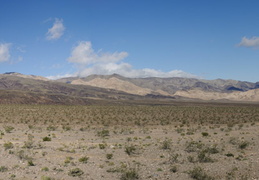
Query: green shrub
x,y
229,155
204,157
30,163
8,129
194,146
103,133
243,144
109,156
102,146
3,169
173,169
205,134
76,172
129,174
130,149
46,138
46,178
166,144
83,159
45,169
199,174
8,145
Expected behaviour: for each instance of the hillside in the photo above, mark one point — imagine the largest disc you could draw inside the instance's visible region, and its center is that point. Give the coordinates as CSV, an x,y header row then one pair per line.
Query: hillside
x,y
101,89
218,89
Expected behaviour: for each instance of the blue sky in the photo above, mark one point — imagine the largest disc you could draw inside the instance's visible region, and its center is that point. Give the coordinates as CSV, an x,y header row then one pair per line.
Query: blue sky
x,y
135,38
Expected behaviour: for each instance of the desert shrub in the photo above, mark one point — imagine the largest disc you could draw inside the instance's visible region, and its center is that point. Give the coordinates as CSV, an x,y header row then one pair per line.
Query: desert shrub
x,y
51,128
46,138
205,134
76,172
130,149
229,155
191,159
3,169
173,169
193,146
66,128
45,169
68,160
28,144
173,158
204,157
102,146
46,178
166,144
129,174
8,145
212,150
199,174
103,133
22,155
109,156
243,144
30,163
8,129
83,159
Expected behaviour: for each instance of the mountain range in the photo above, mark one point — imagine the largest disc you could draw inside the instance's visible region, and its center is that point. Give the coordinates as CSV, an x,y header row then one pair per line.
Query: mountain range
x,y
105,89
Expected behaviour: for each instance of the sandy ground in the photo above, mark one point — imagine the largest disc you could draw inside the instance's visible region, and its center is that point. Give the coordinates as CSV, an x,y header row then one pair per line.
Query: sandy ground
x,y
154,152
129,142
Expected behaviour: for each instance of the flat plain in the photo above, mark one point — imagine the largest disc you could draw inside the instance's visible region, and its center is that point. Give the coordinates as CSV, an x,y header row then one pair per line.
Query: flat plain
x,y
185,141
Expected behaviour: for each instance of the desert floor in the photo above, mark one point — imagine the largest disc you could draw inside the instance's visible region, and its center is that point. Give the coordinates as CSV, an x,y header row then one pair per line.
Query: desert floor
x,y
129,142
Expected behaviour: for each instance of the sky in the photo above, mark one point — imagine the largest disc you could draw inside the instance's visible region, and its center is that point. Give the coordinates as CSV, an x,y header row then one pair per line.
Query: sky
x,y
205,39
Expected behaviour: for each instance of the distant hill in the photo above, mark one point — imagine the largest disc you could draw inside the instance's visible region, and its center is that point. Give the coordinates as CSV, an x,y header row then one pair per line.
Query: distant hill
x,y
186,87
106,89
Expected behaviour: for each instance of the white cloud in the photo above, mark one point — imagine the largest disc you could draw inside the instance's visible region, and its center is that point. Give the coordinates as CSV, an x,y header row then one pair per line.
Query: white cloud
x,y
60,76
88,62
5,52
127,70
84,54
56,31
252,42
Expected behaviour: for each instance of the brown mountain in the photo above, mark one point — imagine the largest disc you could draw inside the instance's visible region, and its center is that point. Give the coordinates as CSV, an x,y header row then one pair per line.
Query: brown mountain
x,y
218,89
103,89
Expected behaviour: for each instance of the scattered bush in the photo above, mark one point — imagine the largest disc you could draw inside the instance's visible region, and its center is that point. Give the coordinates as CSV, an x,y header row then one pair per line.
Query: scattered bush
x,y
3,169
103,133
205,134
8,129
129,174
76,172
130,149
45,169
30,163
204,157
83,159
109,156
243,144
173,169
8,145
166,144
46,138
199,174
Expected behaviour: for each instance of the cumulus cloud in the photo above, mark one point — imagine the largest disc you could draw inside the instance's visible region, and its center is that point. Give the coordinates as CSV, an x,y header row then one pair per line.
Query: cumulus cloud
x,y
56,31
5,52
84,54
90,62
252,42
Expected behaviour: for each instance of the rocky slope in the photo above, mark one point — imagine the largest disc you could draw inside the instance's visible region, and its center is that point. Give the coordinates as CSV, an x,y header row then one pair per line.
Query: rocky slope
x,y
15,87
218,89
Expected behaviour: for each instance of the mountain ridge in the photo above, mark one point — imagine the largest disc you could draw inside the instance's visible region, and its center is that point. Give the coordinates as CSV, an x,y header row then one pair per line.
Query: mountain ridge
x,y
117,87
